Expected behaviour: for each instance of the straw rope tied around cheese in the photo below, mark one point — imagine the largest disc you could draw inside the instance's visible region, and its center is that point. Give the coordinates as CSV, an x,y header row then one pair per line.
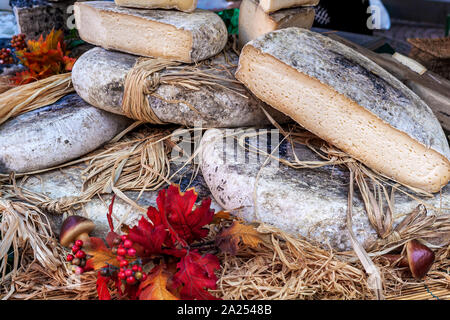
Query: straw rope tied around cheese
x,y
146,76
141,80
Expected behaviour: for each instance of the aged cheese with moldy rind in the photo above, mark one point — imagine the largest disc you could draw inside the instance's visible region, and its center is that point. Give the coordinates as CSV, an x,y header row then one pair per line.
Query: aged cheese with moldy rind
x,y
182,5
275,5
67,182
98,77
55,134
349,101
254,22
307,202
169,34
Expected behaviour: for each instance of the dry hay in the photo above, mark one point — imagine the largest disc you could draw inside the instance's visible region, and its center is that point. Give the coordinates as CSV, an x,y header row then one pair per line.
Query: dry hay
x,y
283,267
139,161
6,83
28,97
289,268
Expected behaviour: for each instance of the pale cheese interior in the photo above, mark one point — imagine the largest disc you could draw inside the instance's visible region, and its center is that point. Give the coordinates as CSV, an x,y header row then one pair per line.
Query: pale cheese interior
x,y
132,34
342,122
274,5
182,5
254,22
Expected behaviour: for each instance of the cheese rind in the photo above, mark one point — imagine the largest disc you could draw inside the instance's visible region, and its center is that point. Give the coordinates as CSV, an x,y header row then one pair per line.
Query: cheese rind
x,y
182,5
55,134
169,34
308,202
351,102
275,5
254,22
98,76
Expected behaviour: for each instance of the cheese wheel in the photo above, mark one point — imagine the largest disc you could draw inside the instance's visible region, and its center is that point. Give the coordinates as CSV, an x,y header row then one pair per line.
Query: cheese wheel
x,y
275,5
349,101
254,22
169,34
98,77
55,134
182,5
308,202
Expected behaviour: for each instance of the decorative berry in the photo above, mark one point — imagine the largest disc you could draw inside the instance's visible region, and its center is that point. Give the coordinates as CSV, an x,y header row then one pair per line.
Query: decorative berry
x,y
123,238
144,276
128,244
75,249
70,257
6,56
131,252
121,251
80,254
131,280
138,275
129,272
79,243
124,263
79,270
135,268
122,276
76,261
18,42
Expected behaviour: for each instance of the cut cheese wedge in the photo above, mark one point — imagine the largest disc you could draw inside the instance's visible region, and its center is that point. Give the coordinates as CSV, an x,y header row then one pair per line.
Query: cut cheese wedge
x,y
254,22
173,35
349,101
275,5
182,5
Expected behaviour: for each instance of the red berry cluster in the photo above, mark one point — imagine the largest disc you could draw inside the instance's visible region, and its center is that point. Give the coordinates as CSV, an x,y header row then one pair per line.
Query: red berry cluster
x,y
78,258
131,273
18,42
6,56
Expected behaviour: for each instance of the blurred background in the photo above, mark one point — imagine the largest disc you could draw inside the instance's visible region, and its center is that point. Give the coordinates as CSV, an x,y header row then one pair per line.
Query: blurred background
x,y
375,24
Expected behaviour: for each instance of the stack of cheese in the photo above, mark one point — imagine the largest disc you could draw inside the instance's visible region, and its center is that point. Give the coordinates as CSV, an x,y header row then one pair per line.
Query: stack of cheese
x,y
258,17
176,31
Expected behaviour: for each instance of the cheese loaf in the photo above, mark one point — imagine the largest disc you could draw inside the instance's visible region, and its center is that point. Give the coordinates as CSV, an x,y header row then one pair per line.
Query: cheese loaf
x,y
349,101
169,34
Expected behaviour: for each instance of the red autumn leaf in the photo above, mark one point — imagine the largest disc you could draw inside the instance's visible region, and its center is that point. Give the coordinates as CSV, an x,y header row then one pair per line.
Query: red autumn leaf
x,y
149,236
184,223
175,221
102,287
196,275
155,287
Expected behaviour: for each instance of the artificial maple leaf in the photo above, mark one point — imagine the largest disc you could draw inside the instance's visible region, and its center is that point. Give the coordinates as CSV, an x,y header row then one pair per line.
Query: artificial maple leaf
x,y
183,222
175,221
196,275
102,287
150,236
221,215
101,255
228,239
155,287
44,58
